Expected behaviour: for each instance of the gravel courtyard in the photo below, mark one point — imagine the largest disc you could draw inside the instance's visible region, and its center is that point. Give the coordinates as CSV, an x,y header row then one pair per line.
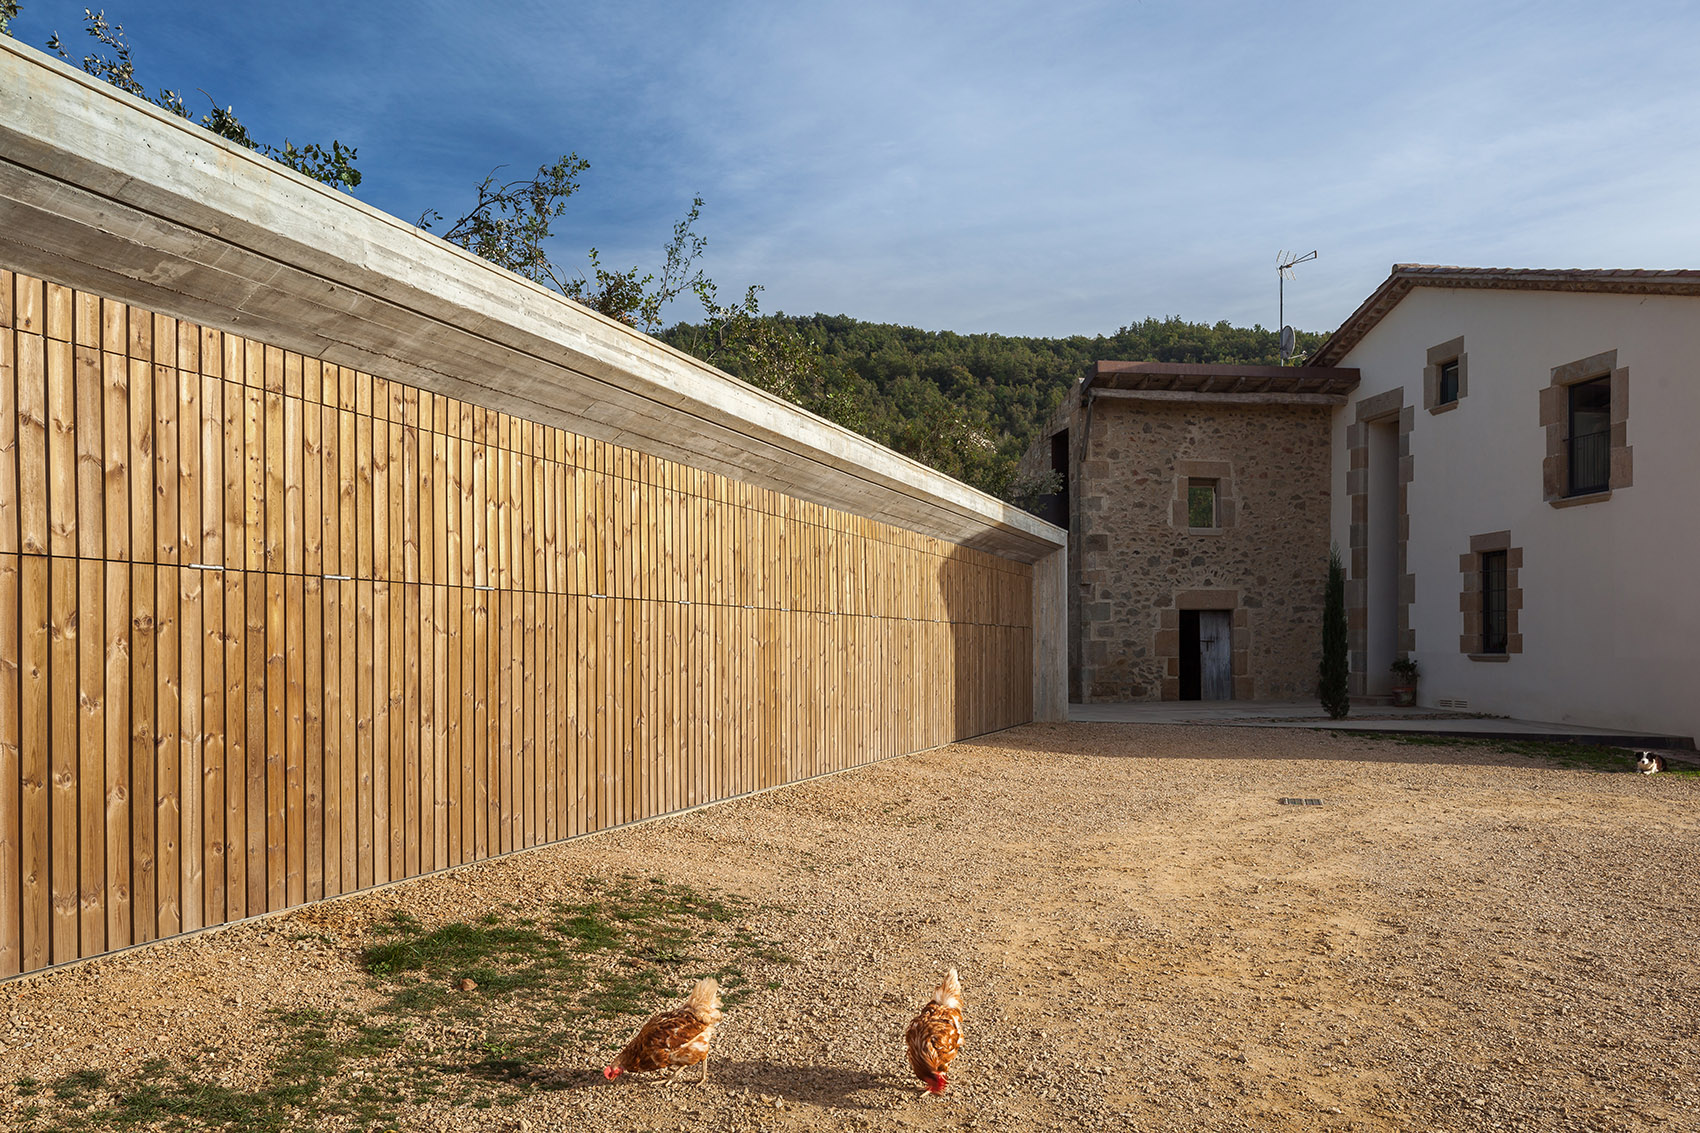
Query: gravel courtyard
x,y
1459,937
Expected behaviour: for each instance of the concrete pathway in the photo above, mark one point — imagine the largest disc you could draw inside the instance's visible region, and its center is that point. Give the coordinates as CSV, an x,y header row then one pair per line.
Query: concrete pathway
x,y
1364,718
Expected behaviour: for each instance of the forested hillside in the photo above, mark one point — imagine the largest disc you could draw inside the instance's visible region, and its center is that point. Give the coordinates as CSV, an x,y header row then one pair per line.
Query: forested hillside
x,y
966,404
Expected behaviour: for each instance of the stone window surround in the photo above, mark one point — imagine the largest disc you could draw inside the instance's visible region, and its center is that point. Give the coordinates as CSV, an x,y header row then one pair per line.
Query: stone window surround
x,y
1555,418
1449,351
1227,504
1168,642
1470,596
1375,410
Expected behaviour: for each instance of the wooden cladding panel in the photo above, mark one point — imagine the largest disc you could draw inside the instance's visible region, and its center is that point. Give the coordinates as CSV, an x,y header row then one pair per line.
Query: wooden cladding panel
x,y
273,630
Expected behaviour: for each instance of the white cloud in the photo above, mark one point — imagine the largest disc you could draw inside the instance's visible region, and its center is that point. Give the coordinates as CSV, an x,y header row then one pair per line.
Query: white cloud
x,y
1017,167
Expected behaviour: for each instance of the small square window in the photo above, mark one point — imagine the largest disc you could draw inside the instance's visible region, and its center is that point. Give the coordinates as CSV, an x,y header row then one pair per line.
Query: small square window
x,y
1446,375
1448,392
1201,503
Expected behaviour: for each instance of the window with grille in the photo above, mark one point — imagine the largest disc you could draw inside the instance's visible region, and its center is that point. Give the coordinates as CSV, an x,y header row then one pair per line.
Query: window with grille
x,y
1494,639
1590,436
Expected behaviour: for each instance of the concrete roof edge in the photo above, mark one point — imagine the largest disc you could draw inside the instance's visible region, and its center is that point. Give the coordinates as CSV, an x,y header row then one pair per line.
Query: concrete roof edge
x,y
71,138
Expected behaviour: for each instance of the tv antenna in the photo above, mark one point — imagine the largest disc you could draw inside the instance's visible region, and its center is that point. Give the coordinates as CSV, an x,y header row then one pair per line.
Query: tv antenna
x,y
1284,264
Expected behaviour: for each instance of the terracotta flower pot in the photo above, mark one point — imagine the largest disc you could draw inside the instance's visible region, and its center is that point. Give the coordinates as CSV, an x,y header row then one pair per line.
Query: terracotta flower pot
x,y
1404,696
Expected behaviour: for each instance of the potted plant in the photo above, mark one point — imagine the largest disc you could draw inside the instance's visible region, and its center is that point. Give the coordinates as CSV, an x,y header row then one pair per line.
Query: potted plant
x,y
1405,672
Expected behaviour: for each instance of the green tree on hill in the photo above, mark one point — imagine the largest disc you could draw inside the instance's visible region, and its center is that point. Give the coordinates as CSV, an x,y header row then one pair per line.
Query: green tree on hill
x,y
970,404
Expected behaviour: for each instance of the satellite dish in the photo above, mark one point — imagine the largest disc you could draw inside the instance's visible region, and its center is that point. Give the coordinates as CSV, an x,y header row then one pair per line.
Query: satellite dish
x,y
1284,264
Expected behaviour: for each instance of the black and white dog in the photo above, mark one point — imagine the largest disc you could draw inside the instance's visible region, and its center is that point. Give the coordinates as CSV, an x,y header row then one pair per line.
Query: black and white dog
x,y
1650,762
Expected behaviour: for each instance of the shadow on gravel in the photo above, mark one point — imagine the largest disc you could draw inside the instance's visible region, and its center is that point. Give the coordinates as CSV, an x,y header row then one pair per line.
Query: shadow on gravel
x,y
1089,740
820,1085
550,1078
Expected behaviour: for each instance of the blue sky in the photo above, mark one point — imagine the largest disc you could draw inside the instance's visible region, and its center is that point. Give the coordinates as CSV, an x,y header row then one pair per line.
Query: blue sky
x,y
1046,168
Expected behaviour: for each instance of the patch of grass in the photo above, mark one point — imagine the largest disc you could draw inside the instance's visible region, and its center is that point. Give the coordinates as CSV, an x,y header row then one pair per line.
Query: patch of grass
x,y
583,973
79,1089
586,972
313,1048
455,950
1572,756
588,931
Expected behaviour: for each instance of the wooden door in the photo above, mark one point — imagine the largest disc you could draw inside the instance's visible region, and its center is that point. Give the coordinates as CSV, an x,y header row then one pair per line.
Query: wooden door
x,y
1215,655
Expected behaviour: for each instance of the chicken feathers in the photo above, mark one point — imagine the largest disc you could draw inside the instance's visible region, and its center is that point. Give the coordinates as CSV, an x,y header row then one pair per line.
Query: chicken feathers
x,y
935,1035
671,1040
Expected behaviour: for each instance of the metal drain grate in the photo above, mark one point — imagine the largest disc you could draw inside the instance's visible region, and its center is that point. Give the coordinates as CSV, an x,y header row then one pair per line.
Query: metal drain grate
x,y
1300,802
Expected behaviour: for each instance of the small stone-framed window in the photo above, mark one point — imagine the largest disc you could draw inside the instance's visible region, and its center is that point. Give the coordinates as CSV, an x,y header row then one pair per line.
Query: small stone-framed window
x,y
1446,377
1585,411
1204,502
1494,613
1490,599
1588,440
1200,503
1448,392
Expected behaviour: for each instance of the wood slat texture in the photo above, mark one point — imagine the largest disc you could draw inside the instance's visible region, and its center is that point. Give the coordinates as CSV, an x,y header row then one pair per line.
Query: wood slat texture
x,y
273,630
11,777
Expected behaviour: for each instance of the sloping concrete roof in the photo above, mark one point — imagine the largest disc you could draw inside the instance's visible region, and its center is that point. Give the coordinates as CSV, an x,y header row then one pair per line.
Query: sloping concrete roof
x,y
1620,281
104,192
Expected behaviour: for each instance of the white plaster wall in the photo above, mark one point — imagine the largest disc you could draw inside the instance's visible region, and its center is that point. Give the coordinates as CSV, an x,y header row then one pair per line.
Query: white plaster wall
x,y
1611,614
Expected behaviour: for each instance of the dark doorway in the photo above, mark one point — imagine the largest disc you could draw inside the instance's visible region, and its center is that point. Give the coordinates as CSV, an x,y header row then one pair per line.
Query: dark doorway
x,y
1053,508
1189,655
1207,655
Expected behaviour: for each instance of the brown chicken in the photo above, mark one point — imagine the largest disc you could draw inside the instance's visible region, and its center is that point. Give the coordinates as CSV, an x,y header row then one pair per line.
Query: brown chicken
x,y
672,1040
935,1035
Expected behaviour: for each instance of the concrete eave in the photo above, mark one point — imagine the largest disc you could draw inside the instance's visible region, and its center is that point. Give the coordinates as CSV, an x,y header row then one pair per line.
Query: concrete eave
x,y
102,191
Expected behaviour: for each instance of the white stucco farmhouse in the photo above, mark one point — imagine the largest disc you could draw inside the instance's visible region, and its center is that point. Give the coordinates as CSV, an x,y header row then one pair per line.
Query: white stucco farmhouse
x,y
1514,489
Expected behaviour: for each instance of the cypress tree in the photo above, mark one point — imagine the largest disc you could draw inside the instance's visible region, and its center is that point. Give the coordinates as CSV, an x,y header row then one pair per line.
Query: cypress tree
x,y
1332,690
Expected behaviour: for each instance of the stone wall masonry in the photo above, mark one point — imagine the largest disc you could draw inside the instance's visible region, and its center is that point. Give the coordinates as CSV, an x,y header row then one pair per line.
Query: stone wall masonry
x,y
1137,568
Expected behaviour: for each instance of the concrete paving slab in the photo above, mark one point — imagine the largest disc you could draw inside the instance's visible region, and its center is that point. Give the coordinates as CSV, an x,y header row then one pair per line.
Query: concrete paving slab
x,y
1374,718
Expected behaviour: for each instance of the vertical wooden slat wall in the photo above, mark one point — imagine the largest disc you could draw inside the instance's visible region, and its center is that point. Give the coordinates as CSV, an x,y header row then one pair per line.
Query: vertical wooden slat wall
x,y
272,630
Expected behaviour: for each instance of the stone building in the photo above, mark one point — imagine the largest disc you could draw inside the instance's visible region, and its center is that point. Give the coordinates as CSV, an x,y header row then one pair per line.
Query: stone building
x,y
1197,504
1504,457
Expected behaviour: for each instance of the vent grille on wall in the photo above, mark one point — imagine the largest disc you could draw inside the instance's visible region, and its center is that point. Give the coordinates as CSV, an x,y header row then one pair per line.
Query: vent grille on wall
x,y
1443,702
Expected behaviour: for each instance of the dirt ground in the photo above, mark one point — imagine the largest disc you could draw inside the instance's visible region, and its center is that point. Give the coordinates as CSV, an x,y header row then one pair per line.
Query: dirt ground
x,y
1456,938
